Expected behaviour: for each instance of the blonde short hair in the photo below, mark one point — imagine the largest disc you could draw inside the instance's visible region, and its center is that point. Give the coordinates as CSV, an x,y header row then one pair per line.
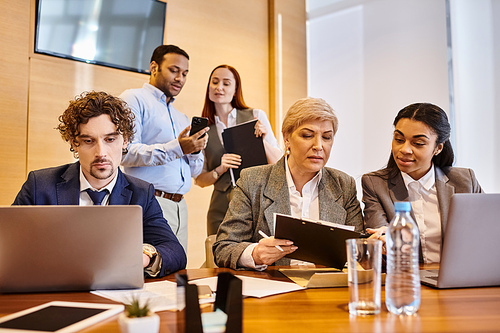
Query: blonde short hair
x,y
307,109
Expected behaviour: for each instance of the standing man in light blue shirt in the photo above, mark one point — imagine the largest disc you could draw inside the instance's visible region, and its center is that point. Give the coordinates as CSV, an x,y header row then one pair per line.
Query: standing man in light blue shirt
x,y
162,152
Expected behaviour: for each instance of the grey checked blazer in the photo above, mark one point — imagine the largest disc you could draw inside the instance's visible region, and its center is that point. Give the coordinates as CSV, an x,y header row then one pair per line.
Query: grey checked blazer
x,y
262,191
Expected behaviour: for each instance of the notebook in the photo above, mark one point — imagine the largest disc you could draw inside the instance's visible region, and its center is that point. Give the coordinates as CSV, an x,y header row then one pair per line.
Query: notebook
x,y
470,252
70,248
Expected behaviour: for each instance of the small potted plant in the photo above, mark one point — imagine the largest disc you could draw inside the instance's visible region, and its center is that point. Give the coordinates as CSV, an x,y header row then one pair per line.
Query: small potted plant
x,y
138,318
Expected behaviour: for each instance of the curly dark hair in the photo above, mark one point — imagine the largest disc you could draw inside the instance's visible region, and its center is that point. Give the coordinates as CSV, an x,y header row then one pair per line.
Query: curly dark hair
x,y
92,104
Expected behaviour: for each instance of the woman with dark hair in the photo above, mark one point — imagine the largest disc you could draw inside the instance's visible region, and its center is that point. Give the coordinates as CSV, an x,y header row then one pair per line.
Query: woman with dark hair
x,y
420,171
225,107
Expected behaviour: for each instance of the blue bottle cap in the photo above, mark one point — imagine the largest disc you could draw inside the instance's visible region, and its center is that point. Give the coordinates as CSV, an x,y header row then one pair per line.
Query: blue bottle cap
x,y
402,206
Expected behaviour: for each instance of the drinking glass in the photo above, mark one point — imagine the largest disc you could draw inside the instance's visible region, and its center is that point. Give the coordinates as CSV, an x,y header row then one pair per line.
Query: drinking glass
x,y
364,264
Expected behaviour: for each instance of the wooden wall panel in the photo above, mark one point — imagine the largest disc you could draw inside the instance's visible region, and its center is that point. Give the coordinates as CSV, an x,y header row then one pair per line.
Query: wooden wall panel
x,y
221,32
288,56
14,39
53,83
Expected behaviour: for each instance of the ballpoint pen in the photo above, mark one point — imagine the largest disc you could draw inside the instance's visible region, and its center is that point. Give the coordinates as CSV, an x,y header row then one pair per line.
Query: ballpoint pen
x,y
266,236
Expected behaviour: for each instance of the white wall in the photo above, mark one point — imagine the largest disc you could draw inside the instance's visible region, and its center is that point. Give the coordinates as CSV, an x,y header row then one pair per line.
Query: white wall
x,y
371,58
476,48
336,74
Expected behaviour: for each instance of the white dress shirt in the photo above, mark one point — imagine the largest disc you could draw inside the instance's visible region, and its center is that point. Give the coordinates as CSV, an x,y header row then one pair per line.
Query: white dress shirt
x,y
85,199
307,204
424,202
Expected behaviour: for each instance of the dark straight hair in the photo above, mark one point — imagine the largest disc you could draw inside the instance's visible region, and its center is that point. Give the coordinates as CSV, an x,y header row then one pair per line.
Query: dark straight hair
x,y
437,120
161,50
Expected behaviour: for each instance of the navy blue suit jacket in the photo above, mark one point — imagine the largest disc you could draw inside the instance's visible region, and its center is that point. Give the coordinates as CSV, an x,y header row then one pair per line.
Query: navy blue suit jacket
x,y
61,186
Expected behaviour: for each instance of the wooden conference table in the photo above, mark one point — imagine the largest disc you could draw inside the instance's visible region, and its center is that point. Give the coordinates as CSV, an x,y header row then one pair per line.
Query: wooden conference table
x,y
315,310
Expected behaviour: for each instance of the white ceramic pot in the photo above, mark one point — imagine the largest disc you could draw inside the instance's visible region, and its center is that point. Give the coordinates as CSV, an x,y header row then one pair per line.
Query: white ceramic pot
x,y
148,324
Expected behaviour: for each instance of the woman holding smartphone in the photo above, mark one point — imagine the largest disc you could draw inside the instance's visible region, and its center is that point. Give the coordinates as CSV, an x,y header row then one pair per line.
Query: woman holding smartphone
x,y
225,107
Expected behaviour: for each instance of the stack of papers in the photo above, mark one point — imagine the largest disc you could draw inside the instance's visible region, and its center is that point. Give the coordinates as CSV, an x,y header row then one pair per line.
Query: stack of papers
x,y
162,295
255,287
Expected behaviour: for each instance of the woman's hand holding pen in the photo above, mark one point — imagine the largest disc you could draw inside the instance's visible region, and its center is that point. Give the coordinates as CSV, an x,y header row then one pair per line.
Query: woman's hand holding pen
x,y
267,250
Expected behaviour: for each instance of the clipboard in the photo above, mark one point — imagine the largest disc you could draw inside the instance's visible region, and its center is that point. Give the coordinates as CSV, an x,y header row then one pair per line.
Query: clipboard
x,y
319,242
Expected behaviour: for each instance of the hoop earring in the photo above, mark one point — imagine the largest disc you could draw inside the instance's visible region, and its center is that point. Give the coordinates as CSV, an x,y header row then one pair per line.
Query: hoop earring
x,y
124,151
75,155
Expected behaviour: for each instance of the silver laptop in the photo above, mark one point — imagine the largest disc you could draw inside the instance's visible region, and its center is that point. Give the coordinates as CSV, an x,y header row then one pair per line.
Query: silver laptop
x,y
70,248
471,250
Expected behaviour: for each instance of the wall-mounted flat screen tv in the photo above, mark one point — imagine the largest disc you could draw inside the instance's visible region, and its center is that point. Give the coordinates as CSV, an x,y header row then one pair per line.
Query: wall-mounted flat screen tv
x,y
115,33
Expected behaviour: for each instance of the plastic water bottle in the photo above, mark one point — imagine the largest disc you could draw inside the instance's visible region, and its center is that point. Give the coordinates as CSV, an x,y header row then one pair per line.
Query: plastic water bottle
x,y
402,284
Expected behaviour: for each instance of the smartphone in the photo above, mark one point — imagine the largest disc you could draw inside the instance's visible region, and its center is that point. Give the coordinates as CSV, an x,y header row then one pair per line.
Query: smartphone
x,y
197,124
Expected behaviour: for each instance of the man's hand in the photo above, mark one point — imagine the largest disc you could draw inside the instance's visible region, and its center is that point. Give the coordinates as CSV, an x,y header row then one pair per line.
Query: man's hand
x,y
193,143
266,253
145,260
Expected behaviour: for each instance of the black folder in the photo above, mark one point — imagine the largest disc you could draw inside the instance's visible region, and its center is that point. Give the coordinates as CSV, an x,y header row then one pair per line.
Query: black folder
x,y
241,140
317,241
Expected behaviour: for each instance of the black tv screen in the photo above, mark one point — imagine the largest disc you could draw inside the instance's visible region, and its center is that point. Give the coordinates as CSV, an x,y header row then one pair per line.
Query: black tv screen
x,y
115,33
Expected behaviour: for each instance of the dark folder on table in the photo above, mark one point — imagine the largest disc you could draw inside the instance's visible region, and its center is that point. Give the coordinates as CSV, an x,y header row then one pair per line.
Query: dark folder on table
x,y
241,140
319,242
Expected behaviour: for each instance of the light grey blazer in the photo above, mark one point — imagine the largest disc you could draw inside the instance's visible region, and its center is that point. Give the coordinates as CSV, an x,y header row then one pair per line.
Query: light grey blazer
x,y
262,191
379,193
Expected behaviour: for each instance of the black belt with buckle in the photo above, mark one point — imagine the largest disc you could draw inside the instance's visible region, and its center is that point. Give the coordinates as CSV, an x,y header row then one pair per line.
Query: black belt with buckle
x,y
176,197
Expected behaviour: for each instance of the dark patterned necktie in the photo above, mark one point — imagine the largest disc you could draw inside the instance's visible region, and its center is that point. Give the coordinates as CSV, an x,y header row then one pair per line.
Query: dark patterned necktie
x,y
96,197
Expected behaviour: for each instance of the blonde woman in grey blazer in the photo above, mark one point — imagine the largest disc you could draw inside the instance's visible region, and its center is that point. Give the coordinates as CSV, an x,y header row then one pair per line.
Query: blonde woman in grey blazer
x,y
308,131
420,143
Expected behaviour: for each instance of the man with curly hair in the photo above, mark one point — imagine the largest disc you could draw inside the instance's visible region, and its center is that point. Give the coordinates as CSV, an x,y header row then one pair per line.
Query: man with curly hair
x,y
98,127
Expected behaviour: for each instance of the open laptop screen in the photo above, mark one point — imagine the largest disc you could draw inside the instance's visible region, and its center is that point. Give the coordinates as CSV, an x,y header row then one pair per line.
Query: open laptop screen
x,y
59,248
470,249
